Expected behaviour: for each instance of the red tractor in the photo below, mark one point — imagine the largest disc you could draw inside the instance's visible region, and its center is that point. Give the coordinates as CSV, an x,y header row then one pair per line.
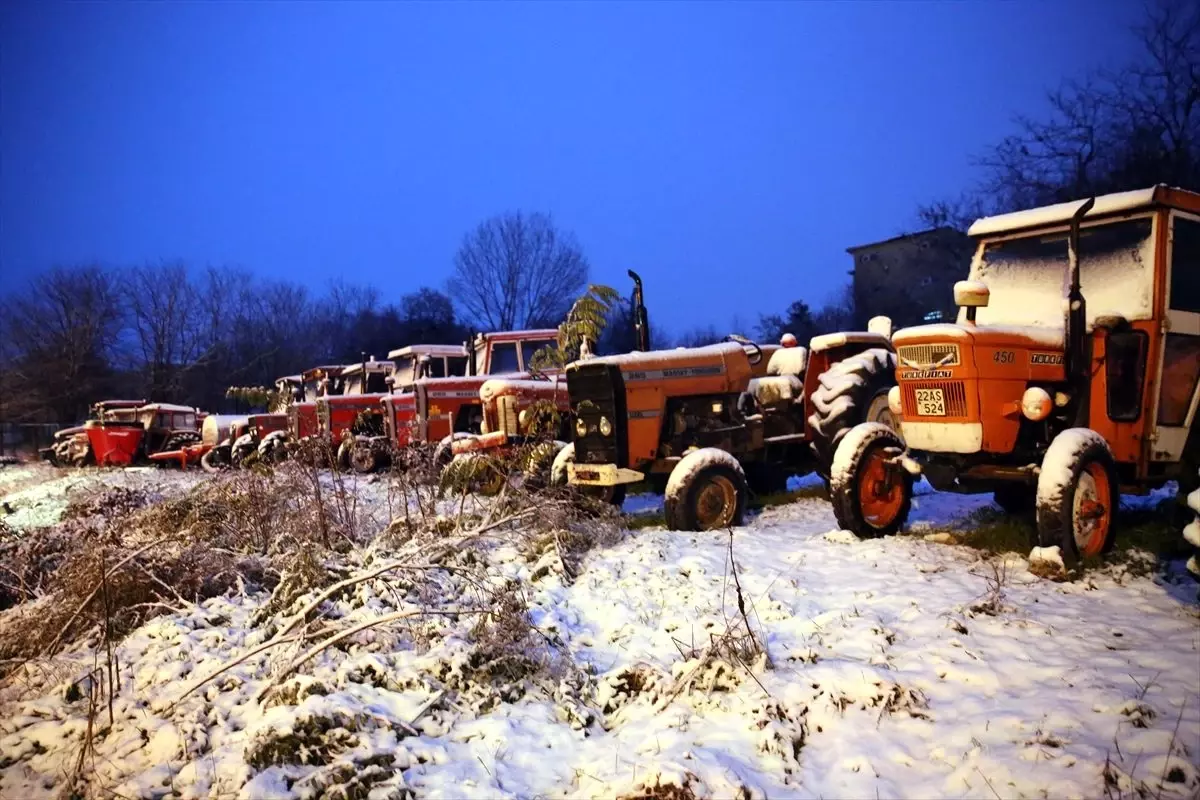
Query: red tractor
x,y
434,411
125,432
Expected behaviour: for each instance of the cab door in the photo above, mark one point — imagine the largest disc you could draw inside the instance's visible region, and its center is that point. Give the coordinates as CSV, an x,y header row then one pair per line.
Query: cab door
x,y
1179,374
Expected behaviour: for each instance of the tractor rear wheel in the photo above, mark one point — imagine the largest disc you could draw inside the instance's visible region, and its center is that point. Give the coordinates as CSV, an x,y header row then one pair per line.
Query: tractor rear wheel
x,y
852,391
614,495
871,494
1077,495
210,462
474,473
706,491
178,441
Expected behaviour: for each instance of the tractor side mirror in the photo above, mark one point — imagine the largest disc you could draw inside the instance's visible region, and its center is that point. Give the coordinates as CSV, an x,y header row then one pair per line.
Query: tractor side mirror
x,y
971,295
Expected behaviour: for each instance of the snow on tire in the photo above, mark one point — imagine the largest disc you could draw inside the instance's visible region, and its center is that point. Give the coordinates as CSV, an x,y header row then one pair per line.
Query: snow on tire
x,y
706,491
851,391
1077,495
1191,533
870,495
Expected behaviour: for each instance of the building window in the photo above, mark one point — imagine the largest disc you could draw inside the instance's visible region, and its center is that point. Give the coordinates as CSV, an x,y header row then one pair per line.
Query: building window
x,y
933,316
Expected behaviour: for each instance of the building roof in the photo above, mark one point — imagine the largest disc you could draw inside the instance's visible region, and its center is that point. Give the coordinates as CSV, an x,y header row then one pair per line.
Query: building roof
x,y
915,235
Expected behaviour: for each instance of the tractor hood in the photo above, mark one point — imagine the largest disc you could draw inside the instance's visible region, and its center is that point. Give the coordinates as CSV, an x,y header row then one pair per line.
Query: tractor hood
x,y
966,335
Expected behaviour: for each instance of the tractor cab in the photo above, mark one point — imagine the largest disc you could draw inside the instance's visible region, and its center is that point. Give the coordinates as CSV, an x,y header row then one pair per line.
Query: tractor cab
x,y
162,421
367,377
1076,351
289,389
508,352
426,361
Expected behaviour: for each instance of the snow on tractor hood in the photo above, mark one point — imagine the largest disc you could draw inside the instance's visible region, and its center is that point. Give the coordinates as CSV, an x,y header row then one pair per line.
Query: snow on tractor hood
x,y
1047,337
498,387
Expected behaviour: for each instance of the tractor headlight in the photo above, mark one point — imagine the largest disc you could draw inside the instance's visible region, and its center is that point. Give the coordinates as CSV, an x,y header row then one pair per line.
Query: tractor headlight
x,y
1036,403
580,427
894,404
605,427
523,418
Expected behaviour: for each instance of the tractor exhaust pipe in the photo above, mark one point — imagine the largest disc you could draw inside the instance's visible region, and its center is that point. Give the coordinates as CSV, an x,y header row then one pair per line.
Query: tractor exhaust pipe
x,y
641,321
1077,351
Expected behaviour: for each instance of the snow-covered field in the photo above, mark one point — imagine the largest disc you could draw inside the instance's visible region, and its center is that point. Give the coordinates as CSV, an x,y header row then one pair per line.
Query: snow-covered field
x,y
893,668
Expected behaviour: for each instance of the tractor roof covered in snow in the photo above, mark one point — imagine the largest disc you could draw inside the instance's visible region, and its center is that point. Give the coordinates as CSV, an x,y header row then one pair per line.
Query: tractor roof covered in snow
x,y
371,365
438,350
1061,213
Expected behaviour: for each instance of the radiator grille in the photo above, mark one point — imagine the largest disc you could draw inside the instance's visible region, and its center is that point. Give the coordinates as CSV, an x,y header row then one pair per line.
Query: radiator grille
x,y
924,356
954,394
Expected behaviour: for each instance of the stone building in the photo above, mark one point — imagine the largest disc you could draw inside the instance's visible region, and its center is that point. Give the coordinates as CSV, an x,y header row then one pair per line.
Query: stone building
x,y
910,278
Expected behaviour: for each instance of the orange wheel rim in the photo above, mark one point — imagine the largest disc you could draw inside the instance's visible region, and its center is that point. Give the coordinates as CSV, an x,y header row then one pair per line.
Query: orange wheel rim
x,y
1093,508
880,490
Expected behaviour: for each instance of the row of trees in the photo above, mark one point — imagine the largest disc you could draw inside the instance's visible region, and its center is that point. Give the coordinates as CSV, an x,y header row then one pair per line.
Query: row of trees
x,y
1113,130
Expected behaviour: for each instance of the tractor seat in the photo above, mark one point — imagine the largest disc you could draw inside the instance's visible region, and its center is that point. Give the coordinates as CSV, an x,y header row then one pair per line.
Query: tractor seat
x,y
776,390
788,361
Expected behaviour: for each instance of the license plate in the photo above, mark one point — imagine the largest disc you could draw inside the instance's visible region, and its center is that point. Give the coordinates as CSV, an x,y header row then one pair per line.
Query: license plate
x,y
931,403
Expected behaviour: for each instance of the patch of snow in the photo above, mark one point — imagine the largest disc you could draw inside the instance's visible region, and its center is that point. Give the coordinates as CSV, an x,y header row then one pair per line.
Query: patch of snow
x,y
841,537
828,341
1048,555
645,358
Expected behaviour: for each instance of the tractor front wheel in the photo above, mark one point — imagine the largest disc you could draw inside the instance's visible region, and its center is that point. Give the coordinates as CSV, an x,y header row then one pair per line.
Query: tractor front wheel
x,y
852,391
871,492
364,458
1077,495
706,491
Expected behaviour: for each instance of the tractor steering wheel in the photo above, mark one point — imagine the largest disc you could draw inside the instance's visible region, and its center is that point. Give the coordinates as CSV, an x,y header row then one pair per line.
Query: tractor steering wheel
x,y
753,352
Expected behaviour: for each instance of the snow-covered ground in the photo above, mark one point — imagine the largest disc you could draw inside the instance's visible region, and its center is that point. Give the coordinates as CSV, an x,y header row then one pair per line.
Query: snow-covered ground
x,y
897,668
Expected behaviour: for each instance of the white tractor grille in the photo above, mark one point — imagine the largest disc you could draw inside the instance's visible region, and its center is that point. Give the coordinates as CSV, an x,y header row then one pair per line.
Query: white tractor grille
x,y
506,412
927,356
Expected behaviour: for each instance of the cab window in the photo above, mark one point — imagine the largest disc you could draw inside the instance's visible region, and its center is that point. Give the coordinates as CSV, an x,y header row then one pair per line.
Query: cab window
x,y
437,368
1185,265
376,383
456,366
529,348
504,358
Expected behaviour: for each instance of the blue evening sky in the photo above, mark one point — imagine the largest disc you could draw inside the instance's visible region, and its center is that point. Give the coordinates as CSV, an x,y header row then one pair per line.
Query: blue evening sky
x,y
730,152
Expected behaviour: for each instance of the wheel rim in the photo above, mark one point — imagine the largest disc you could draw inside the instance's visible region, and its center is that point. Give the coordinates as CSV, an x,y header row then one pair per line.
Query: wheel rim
x,y
716,503
879,411
1091,512
880,491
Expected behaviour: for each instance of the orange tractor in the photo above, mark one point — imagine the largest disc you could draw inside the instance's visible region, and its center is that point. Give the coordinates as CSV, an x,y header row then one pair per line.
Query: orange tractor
x,y
229,440
1070,375
707,425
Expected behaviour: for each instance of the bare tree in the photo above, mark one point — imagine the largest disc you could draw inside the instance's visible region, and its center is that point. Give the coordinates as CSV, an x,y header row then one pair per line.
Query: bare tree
x,y
517,270
165,317
1111,131
63,330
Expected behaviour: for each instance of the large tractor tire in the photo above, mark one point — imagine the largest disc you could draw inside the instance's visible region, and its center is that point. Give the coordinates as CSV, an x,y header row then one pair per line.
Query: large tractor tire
x,y
212,463
605,494
871,494
273,447
706,491
178,441
1191,533
1078,495
851,392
